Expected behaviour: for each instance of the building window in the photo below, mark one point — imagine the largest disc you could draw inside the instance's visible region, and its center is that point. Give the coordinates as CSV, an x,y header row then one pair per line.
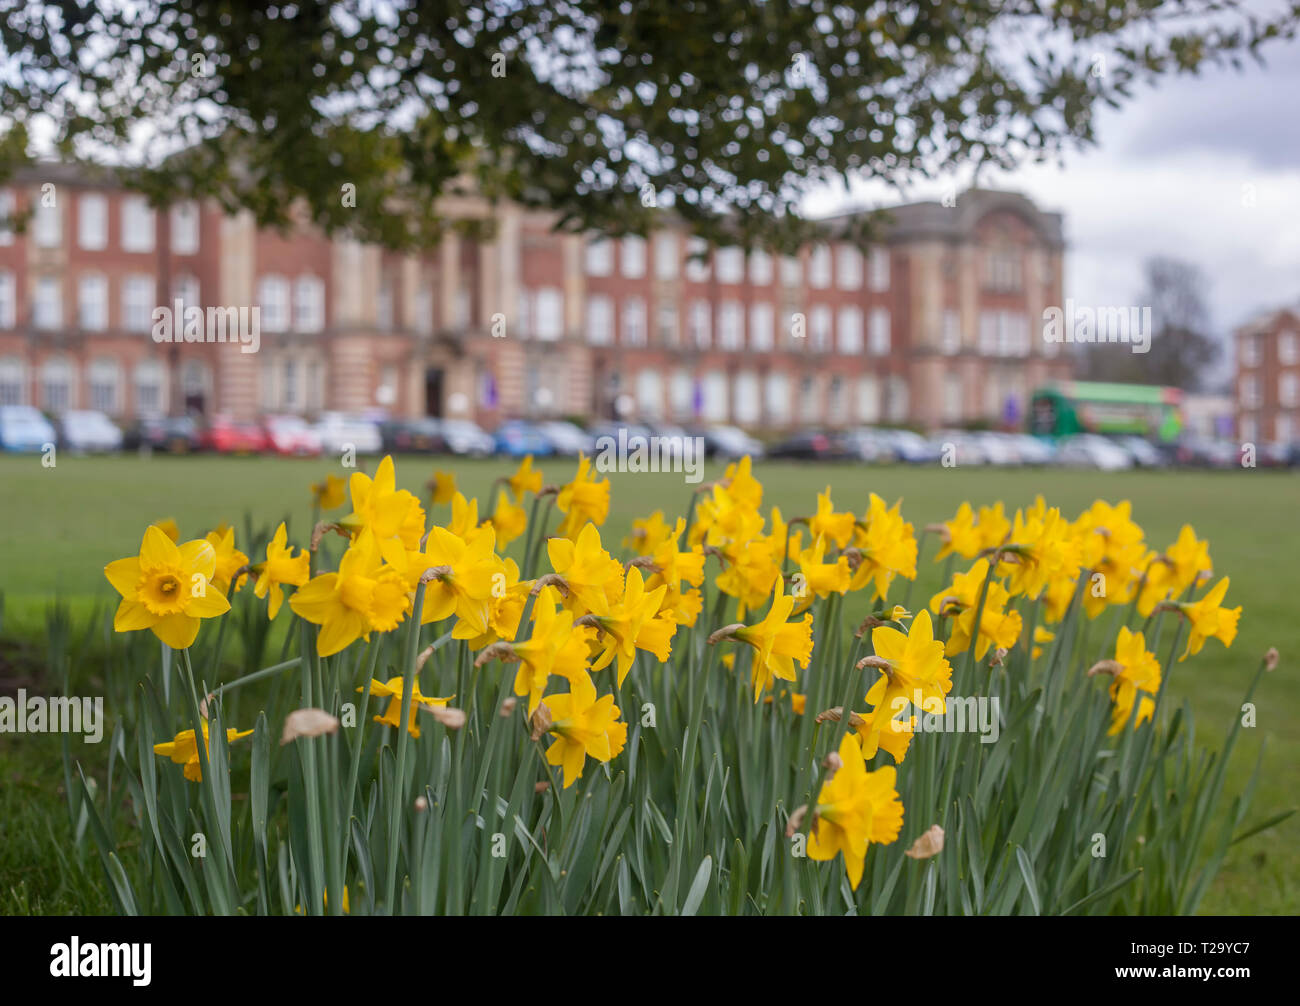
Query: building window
x,y
819,329
715,397
1283,428
760,268
6,216
731,265
634,322
289,387
776,398
950,333
92,303
868,399
138,304
13,381
879,269
681,394
47,305
952,395
309,304
748,404
791,270
92,222
731,326
879,334
1250,351
898,399
1286,349
1288,390
668,325
1002,269
762,320
464,308
273,299
47,225
150,388
600,320
649,394
384,305
699,320
850,331
819,267
548,313
424,310
137,224
848,268
600,257
104,380
8,300
697,260
666,256
810,400
56,385
1249,429
186,290
632,255
185,228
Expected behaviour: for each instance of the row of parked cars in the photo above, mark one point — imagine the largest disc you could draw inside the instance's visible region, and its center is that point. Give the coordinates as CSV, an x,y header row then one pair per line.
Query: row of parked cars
x,y
23,428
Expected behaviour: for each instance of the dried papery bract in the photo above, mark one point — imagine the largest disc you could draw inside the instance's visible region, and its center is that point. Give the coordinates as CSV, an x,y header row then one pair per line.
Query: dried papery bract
x,y
1271,658
308,723
929,843
449,716
508,707
541,721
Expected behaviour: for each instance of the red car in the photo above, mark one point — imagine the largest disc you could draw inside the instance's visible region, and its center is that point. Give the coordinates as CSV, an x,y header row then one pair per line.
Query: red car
x,y
290,436
229,436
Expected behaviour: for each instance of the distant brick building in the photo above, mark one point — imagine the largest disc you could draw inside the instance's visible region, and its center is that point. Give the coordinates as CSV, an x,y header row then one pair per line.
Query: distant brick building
x,y
1267,382
937,324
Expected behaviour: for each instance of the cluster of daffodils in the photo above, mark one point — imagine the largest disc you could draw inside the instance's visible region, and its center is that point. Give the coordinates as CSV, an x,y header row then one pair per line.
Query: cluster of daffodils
x,y
571,619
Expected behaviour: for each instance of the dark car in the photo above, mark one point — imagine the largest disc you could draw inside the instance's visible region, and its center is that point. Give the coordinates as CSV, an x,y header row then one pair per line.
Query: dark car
x,y
418,436
812,445
174,434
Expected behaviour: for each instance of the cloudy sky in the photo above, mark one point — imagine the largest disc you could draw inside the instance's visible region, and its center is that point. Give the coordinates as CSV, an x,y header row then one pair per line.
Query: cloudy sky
x,y
1204,169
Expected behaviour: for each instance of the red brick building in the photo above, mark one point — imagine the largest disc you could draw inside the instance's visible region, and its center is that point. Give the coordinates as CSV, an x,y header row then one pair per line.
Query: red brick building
x,y
1267,383
937,324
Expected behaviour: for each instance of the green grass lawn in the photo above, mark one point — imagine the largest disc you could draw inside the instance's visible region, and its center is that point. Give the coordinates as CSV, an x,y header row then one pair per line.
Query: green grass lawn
x,y
60,526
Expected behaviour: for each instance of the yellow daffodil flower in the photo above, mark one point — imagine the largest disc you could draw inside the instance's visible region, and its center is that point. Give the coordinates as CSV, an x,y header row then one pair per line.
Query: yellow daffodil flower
x,y
526,479
855,808
1137,671
584,726
508,520
364,595
393,515
329,493
167,588
183,750
281,567
1210,620
779,643
229,560
582,500
444,487
393,689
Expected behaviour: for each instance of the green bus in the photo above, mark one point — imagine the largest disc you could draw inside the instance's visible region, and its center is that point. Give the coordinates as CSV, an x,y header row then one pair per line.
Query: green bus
x,y
1145,410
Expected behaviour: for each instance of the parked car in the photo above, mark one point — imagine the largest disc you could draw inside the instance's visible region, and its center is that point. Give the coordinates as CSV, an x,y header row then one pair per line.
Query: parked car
x,y
226,435
516,438
1144,453
1206,452
730,443
910,447
1033,450
464,436
868,445
1087,450
23,428
339,431
963,447
812,445
999,449
420,436
291,436
566,438
174,434
88,431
